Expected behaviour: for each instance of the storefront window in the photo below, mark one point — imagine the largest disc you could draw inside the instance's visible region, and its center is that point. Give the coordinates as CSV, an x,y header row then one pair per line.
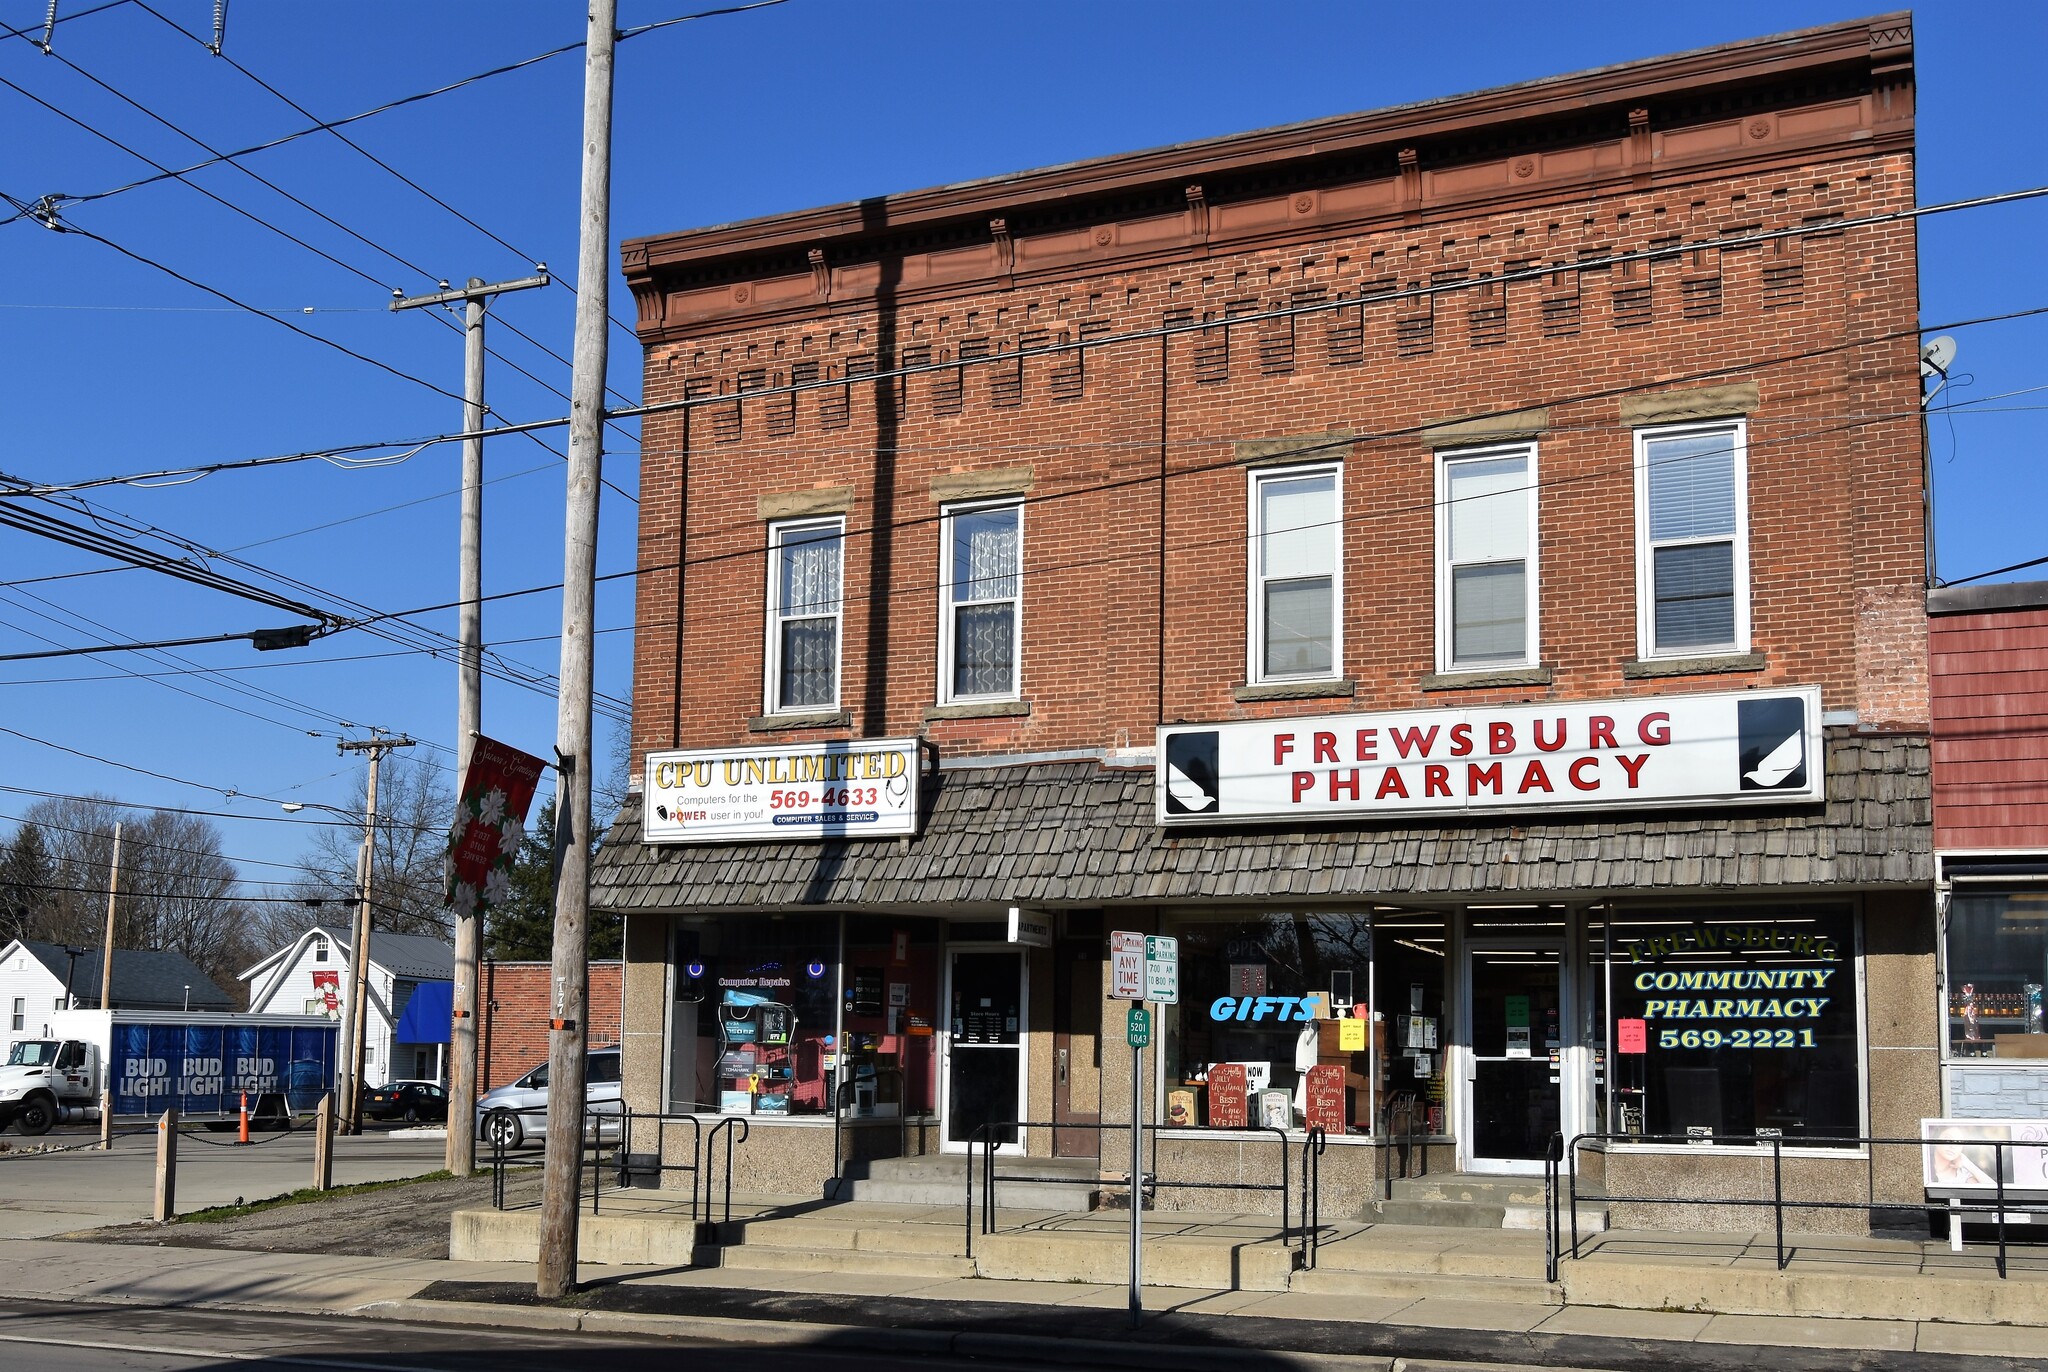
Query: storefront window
x,y
1736,1022
1274,1024
891,1004
752,1026
1997,966
1413,955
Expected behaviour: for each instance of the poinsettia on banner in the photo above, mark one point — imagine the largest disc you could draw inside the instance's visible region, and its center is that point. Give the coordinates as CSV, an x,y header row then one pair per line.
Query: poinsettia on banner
x,y
490,822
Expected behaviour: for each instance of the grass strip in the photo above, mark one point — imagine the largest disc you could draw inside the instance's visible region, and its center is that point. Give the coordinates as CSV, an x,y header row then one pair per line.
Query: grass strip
x,y
303,1196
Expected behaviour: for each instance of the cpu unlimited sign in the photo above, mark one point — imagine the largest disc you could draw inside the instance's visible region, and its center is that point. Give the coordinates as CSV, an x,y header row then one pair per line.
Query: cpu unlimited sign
x,y
856,788
1751,747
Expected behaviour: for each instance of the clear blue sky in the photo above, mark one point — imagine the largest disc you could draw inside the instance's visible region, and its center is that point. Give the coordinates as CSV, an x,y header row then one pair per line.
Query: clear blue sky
x,y
109,366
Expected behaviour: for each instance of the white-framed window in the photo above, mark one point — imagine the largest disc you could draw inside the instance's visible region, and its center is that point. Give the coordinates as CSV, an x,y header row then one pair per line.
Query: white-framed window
x,y
805,589
1486,554
1296,571
319,950
20,1012
981,601
1692,539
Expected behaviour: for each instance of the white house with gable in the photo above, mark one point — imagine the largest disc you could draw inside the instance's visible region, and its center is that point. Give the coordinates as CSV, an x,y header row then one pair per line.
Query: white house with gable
x,y
408,973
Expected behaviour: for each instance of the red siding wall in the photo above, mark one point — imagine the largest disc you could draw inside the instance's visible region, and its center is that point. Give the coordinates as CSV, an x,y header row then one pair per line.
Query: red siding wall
x,y
1990,698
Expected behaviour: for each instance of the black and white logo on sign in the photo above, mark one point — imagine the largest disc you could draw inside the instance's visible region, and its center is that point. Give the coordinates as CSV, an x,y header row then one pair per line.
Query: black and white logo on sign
x,y
1191,768
1771,737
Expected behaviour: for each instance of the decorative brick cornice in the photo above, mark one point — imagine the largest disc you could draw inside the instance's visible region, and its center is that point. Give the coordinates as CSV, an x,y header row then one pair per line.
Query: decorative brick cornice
x,y
1653,122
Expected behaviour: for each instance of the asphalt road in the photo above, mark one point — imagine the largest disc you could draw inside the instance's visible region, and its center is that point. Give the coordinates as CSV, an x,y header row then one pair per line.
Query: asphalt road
x,y
97,1338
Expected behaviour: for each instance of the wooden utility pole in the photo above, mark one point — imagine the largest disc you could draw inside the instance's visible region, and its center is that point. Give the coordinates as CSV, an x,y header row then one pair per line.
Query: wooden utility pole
x,y
107,954
359,974
557,1268
469,678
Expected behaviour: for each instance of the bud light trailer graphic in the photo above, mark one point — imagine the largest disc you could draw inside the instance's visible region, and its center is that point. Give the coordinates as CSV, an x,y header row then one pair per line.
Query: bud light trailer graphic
x,y
203,1069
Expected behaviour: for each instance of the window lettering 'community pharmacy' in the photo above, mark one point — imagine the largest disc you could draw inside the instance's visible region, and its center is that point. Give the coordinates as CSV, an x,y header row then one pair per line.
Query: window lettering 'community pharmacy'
x,y
1522,746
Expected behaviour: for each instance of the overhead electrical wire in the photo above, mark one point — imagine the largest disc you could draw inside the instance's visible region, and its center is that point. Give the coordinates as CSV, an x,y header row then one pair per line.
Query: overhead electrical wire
x,y
1168,330
331,125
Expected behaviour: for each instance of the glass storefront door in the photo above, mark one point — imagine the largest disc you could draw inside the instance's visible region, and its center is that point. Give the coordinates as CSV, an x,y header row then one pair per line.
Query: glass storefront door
x,y
1514,1078
984,1060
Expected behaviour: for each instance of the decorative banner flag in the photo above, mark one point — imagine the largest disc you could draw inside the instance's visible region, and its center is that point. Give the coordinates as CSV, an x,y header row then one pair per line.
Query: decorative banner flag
x,y
327,985
490,824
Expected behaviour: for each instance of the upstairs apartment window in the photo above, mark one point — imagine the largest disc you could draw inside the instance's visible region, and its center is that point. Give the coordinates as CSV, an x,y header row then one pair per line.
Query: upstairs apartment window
x,y
1692,556
1296,577
804,606
319,950
1486,559
980,594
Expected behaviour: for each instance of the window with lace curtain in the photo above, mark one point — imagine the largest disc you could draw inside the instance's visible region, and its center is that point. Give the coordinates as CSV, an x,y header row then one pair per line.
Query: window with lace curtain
x,y
980,595
1296,577
804,605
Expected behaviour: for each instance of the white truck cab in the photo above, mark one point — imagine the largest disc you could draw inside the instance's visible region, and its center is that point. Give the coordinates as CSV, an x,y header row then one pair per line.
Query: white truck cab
x,y
46,1081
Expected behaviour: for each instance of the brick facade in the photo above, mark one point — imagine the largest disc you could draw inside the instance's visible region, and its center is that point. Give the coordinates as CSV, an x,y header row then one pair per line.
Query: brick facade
x,y
1136,451
515,1001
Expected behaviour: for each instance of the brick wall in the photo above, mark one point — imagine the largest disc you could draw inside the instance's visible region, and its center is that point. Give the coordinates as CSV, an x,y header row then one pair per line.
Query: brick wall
x,y
516,999
1135,603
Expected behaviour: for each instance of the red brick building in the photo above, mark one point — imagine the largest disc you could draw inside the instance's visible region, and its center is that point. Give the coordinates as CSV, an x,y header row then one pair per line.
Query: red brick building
x,y
515,1001
1989,658
1430,562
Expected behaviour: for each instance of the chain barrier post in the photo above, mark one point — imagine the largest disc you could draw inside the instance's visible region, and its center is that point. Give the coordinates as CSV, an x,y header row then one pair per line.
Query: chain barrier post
x,y
323,1144
167,1166
106,1121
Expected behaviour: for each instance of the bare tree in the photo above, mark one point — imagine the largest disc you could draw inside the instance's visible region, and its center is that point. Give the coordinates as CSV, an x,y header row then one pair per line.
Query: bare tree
x,y
415,806
178,892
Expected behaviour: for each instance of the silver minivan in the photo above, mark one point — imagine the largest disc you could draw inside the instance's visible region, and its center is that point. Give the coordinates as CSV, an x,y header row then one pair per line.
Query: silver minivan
x,y
516,1112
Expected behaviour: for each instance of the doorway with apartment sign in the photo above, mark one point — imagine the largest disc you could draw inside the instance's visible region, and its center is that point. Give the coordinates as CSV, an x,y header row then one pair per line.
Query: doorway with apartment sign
x,y
1077,999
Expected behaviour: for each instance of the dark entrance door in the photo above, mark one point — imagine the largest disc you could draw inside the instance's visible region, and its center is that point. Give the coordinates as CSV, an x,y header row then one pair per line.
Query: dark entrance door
x,y
1077,1043
985,1047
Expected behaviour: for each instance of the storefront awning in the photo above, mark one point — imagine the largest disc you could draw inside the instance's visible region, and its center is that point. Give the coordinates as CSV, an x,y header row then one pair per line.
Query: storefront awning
x,y
1078,833
428,1014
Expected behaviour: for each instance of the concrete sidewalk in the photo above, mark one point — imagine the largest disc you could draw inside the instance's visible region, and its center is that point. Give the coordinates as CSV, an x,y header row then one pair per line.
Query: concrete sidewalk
x,y
1037,1321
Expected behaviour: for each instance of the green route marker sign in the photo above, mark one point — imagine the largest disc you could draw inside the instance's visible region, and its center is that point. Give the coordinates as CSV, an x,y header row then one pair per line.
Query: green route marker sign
x,y
1138,1027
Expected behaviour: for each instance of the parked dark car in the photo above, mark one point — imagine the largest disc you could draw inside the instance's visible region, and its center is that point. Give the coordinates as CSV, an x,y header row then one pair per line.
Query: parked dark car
x,y
411,1101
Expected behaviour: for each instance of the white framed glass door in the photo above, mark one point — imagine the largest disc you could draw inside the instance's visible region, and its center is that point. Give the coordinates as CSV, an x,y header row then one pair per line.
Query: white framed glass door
x,y
1514,1079
983,1062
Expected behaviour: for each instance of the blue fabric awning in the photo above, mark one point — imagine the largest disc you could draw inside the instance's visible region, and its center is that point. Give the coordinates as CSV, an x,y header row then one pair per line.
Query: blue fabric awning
x,y
428,1015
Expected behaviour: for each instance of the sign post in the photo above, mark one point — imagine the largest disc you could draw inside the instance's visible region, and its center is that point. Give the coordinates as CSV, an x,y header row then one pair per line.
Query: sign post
x,y
1130,969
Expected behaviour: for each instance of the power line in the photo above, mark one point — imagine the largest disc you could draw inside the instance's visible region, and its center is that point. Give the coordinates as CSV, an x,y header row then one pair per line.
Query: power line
x,y
1305,450
1167,330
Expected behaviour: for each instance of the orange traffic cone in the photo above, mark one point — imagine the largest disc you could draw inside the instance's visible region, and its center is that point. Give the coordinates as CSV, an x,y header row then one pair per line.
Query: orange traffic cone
x,y
245,1119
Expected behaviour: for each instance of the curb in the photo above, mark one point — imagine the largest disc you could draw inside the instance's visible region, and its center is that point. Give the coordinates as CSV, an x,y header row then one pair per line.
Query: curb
x,y
908,1342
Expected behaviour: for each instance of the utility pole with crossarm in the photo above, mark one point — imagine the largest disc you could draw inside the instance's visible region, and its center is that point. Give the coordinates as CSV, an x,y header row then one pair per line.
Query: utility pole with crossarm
x,y
469,693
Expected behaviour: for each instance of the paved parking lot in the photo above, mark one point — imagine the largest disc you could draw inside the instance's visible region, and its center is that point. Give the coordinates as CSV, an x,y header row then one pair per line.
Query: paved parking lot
x,y
55,1193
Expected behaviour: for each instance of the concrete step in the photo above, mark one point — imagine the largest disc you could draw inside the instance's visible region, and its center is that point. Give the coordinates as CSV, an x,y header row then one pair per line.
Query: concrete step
x,y
1380,1253
825,1236
1436,1214
1328,1281
1470,1188
752,1258
942,1179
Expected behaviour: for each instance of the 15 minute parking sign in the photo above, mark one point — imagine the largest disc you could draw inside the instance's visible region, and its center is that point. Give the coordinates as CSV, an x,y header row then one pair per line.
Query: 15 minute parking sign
x,y
1162,969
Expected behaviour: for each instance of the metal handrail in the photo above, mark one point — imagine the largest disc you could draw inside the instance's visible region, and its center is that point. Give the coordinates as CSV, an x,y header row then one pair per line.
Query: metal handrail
x,y
1386,1140
1312,1149
984,1135
591,1143
735,1129
661,1120
1957,1209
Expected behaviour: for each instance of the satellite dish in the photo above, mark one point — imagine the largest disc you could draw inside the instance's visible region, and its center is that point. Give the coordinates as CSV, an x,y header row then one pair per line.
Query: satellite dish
x,y
1936,355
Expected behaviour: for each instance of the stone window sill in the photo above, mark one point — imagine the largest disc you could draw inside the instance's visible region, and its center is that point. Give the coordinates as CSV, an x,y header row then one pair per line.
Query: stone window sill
x,y
1641,668
979,709
826,719
1342,688
1485,680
